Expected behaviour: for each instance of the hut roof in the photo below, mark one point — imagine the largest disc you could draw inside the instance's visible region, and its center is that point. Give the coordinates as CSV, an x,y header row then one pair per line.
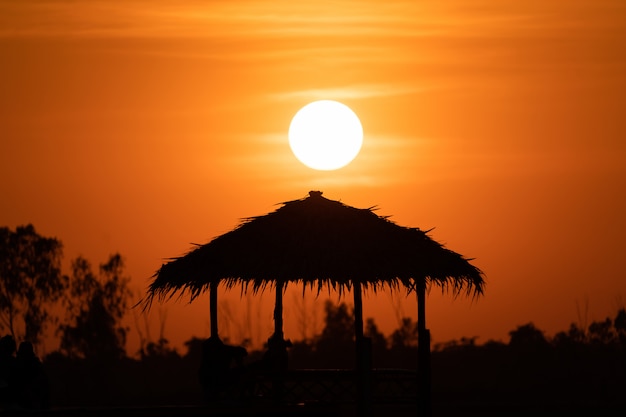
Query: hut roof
x,y
318,242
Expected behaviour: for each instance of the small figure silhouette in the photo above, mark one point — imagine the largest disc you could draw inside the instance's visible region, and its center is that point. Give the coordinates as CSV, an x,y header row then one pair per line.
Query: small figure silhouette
x,y
275,362
220,367
8,366
31,381
276,359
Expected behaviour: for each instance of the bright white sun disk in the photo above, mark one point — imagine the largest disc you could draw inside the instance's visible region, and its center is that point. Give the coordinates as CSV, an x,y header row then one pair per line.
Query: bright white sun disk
x,y
325,135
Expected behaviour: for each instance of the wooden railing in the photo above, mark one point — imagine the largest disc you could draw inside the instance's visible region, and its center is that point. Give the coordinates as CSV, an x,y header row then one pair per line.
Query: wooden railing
x,y
327,386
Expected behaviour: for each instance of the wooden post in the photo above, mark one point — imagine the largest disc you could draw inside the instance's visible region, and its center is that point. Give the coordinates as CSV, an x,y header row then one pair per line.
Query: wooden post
x,y
363,361
423,353
213,308
358,313
278,312
277,348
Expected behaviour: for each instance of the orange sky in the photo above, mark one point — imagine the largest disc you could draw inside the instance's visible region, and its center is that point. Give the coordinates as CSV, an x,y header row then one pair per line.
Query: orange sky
x,y
144,126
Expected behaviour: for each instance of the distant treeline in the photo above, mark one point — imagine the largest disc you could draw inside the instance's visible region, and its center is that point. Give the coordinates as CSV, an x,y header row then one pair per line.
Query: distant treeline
x,y
578,366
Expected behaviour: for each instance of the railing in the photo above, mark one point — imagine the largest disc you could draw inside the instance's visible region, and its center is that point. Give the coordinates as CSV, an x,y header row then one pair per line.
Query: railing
x,y
328,386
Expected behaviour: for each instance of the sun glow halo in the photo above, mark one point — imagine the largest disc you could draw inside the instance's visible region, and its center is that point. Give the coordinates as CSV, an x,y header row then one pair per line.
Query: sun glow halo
x,y
325,135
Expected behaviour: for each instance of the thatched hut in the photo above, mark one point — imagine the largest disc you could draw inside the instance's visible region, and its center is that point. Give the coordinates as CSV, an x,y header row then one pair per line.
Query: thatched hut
x,y
320,243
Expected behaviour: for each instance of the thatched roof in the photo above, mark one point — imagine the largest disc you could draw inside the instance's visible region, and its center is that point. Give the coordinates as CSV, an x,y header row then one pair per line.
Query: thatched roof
x,y
318,242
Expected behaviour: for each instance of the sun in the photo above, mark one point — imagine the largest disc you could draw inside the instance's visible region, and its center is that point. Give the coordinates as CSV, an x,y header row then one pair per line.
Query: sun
x,y
325,135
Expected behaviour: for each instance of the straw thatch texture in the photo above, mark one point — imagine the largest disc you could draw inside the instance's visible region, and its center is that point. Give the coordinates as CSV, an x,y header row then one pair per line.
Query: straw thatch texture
x,y
319,242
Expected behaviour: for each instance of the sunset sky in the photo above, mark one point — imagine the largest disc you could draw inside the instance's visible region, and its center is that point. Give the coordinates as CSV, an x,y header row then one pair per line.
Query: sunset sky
x,y
141,127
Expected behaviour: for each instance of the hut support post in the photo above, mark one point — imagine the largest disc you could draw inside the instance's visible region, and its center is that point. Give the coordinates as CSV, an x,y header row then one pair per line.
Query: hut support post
x,y
363,357
423,353
277,348
278,312
213,308
358,313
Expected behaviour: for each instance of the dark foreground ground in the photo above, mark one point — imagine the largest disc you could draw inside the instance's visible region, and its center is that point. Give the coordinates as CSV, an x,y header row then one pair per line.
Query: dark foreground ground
x,y
346,410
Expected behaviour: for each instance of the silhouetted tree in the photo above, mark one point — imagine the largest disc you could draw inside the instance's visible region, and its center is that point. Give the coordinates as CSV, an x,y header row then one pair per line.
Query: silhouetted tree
x,y
160,349
527,339
96,306
30,281
465,343
338,324
404,336
620,326
575,336
403,345
335,345
194,349
601,332
527,335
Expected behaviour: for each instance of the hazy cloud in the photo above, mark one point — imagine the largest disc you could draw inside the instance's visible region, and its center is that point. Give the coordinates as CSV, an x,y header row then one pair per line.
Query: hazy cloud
x,y
351,92
276,18
207,19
